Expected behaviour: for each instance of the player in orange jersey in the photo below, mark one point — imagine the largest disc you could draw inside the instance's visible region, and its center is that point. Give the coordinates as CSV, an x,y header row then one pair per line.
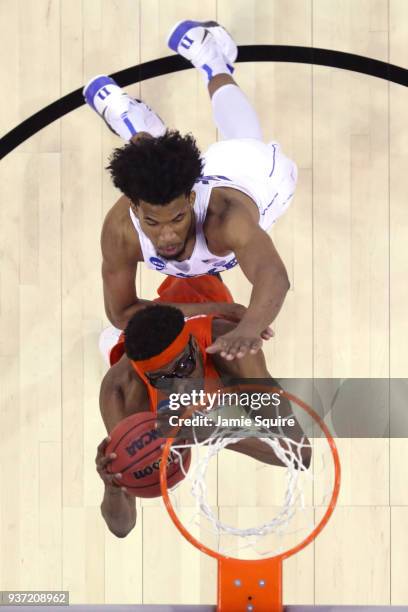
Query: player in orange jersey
x,y
158,347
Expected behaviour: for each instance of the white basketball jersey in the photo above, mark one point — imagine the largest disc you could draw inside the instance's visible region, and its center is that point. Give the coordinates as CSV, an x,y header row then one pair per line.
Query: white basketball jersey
x,y
260,171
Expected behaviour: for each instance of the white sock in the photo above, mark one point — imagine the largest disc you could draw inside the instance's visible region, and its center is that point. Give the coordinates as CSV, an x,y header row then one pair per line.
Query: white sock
x,y
234,115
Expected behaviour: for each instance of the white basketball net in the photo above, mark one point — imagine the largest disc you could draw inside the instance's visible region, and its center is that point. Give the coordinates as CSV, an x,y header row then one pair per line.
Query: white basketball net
x,y
290,455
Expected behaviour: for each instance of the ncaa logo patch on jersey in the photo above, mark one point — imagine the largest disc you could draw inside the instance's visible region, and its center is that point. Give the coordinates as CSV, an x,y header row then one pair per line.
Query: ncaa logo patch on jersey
x,y
231,263
159,264
224,266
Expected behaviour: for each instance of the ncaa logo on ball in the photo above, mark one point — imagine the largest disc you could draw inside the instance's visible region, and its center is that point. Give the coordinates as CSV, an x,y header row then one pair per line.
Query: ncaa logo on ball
x,y
144,440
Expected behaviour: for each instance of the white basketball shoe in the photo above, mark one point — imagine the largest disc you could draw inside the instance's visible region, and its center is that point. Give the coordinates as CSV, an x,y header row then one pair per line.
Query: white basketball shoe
x,y
206,44
124,115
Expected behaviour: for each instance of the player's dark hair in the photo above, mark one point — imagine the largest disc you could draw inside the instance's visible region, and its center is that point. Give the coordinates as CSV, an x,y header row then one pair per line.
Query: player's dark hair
x,y
156,170
151,330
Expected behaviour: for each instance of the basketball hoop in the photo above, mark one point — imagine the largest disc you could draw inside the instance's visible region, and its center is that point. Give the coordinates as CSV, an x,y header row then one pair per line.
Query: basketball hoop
x,y
256,584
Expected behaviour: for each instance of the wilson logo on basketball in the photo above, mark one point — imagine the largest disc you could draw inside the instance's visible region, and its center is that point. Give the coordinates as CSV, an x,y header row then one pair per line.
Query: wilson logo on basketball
x,y
143,441
155,466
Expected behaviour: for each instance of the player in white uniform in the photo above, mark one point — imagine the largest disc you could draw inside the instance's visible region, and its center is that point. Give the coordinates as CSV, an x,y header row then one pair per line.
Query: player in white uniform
x,y
184,215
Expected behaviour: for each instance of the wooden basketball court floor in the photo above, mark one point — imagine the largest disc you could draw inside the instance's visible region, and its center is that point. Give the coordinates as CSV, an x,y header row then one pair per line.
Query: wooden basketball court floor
x,y
343,241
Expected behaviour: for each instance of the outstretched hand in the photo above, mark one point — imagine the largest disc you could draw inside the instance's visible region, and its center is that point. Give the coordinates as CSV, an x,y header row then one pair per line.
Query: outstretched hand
x,y
239,342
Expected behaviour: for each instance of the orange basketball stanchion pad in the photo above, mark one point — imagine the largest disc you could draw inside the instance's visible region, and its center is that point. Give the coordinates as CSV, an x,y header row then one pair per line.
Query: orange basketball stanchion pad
x,y
242,584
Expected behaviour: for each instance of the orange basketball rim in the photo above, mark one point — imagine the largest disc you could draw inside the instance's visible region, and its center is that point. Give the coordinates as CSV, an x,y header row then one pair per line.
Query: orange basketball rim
x,y
253,585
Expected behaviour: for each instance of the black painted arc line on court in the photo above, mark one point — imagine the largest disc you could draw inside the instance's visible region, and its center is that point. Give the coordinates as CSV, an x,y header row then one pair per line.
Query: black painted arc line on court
x,y
175,63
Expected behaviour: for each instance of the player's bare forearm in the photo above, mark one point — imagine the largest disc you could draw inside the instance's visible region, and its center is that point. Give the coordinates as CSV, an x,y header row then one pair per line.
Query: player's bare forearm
x,y
119,511
268,294
120,317
266,300
263,267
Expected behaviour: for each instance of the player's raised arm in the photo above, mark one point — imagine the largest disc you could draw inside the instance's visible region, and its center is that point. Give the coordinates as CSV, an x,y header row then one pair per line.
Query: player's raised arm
x,y
263,267
120,257
118,508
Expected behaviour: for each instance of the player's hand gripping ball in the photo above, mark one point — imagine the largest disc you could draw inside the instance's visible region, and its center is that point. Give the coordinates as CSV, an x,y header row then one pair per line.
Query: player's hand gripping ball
x,y
138,445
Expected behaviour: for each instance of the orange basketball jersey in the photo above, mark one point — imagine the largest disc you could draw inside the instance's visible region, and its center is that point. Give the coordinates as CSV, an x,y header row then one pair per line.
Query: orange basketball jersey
x,y
187,290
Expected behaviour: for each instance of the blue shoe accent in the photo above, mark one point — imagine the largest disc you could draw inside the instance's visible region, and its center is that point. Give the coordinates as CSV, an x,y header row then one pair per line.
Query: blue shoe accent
x,y
186,42
177,34
94,86
208,70
129,125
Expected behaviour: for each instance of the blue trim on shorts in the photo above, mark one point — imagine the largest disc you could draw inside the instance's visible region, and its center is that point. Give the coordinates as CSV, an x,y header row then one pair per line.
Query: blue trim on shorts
x,y
270,204
273,165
